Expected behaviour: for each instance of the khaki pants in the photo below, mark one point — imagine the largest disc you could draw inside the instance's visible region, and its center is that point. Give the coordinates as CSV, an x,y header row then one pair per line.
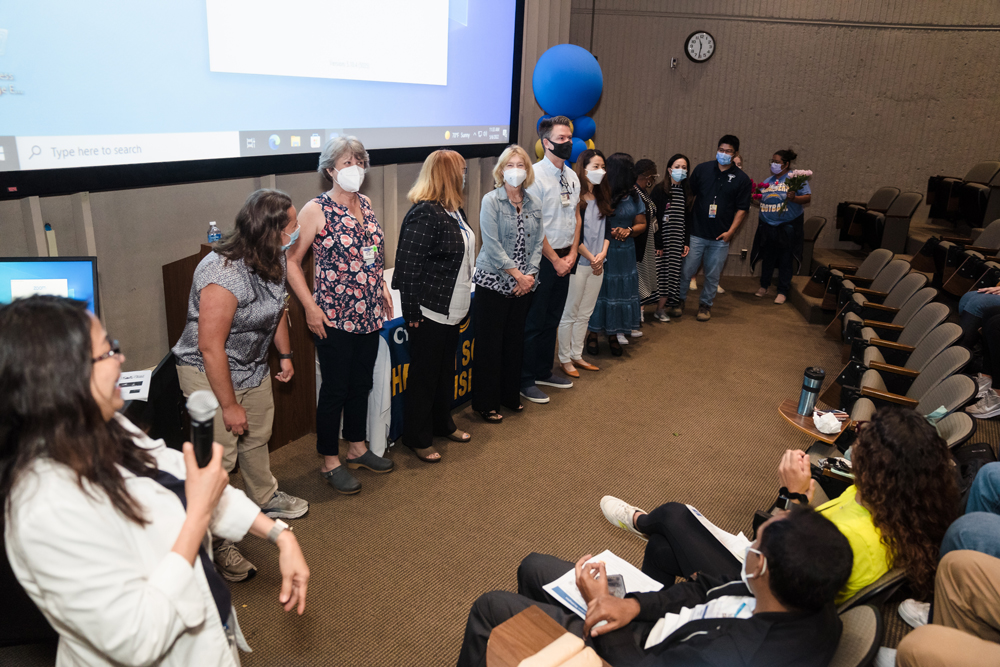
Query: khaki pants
x,y
251,447
966,628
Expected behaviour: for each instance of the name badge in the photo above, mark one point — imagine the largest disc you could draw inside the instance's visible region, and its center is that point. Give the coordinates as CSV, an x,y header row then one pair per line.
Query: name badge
x,y
564,198
712,208
368,254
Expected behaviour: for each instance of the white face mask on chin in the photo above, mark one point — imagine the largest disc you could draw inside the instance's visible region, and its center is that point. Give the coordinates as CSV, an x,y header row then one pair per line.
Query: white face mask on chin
x,y
350,178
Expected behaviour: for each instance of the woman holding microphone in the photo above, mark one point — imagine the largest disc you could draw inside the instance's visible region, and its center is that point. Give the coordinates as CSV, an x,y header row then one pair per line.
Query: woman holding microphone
x,y
105,527
510,221
345,309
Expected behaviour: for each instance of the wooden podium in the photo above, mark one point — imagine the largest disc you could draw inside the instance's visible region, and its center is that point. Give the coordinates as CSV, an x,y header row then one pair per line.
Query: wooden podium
x,y
522,636
294,402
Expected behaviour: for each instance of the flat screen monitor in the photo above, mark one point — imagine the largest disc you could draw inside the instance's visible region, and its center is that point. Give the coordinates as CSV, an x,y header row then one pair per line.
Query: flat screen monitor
x,y
119,93
73,277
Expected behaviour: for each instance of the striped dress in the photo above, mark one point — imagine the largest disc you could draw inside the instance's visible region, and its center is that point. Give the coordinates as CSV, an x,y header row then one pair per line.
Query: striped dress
x,y
669,264
649,290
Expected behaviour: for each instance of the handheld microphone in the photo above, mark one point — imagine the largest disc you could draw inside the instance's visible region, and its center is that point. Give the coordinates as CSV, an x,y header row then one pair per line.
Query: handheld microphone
x,y
201,407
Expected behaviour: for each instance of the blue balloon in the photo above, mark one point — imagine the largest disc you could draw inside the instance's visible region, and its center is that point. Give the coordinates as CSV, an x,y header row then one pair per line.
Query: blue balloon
x,y
579,145
567,81
538,125
584,127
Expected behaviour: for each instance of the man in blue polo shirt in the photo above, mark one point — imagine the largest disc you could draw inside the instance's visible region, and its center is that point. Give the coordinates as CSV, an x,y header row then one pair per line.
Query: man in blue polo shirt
x,y
721,201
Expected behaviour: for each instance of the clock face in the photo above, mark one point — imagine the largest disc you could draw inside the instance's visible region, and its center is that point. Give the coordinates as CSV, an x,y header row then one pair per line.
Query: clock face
x,y
700,46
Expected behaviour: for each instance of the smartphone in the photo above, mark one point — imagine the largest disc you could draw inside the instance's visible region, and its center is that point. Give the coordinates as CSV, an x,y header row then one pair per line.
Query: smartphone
x,y
616,585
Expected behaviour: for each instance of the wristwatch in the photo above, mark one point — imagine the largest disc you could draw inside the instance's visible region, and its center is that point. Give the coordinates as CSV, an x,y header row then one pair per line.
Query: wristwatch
x,y
285,356
278,528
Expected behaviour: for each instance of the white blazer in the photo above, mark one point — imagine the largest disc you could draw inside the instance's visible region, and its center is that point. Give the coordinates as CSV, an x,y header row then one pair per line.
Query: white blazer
x,y
114,590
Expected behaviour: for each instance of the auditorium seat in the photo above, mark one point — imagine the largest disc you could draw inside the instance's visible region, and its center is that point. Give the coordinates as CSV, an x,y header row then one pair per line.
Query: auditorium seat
x,y
895,229
946,253
951,393
860,637
912,390
938,340
848,211
811,229
878,289
875,307
943,192
957,428
990,278
886,320
863,274
897,343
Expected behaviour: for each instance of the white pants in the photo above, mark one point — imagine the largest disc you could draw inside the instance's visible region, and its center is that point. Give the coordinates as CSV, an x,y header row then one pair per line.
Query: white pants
x,y
584,287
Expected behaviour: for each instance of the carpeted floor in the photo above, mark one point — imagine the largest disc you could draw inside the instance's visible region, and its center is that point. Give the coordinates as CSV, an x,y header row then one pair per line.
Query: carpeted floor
x,y
688,413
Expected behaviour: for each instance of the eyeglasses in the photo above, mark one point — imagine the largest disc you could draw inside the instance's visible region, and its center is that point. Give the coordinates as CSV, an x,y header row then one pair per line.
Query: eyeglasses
x,y
113,352
727,151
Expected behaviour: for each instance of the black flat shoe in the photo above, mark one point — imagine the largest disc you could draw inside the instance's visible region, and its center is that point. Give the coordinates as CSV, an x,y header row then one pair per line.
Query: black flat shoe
x,y
616,347
593,346
516,408
490,416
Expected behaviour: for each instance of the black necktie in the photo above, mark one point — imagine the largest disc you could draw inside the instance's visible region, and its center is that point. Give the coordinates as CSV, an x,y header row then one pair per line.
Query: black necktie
x,y
220,590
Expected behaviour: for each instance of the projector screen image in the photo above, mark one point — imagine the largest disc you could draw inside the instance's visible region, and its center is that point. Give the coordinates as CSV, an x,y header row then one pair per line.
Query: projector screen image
x,y
118,82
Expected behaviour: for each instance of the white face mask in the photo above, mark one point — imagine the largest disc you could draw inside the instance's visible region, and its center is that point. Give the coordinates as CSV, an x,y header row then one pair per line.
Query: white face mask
x,y
514,176
743,571
595,176
350,178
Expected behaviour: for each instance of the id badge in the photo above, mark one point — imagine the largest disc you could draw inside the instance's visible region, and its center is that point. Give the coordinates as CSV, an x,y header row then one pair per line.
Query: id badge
x,y
368,254
564,198
712,208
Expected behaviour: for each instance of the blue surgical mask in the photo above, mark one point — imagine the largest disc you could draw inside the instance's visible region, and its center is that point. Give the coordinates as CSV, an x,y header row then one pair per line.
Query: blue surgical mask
x,y
776,168
294,236
678,174
723,158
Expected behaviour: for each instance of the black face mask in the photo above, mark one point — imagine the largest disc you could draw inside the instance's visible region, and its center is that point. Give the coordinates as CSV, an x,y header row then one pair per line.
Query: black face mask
x,y
562,151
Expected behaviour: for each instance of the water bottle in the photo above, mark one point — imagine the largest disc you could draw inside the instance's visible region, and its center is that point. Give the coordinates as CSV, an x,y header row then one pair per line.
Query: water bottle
x,y
811,384
214,233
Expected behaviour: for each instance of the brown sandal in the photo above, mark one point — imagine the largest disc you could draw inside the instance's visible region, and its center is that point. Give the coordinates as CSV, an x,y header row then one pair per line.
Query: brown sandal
x,y
426,452
457,438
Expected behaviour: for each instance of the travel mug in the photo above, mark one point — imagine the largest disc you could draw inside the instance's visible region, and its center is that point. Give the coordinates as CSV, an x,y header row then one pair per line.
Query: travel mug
x,y
811,384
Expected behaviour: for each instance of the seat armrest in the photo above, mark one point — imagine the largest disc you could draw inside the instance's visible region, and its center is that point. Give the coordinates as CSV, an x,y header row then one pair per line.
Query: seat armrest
x,y
870,292
890,368
956,239
867,392
858,203
857,280
875,324
878,306
984,251
890,345
845,268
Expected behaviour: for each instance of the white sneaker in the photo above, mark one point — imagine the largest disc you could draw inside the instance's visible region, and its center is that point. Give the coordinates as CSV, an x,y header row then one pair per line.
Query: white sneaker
x,y
661,315
622,340
719,290
886,657
915,613
983,384
693,285
620,514
636,333
988,406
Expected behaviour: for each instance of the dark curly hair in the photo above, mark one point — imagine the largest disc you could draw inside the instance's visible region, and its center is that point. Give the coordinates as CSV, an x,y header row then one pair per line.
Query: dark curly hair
x,y
905,477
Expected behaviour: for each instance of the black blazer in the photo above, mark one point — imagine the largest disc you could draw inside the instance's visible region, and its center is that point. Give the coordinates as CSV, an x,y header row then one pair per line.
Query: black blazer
x,y
428,257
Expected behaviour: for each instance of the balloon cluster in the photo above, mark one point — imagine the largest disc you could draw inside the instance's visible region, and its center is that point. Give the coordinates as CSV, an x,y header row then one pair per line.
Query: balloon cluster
x,y
568,82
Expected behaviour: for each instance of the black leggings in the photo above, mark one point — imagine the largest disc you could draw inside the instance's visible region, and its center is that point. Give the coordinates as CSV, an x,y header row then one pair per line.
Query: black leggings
x,y
679,545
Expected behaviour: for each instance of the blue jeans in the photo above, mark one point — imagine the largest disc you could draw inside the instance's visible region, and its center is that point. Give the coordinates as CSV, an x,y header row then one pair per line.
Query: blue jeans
x,y
979,529
977,304
711,254
542,324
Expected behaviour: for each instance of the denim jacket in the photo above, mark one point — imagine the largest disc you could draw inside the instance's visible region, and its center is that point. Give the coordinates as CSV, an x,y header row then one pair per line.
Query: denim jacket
x,y
498,228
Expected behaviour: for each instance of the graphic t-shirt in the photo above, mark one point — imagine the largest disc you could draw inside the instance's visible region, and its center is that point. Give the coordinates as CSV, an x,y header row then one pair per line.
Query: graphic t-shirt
x,y
774,197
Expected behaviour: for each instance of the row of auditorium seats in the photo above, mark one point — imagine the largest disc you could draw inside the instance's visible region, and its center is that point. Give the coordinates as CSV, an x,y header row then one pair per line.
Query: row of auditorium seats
x,y
971,200
881,222
959,262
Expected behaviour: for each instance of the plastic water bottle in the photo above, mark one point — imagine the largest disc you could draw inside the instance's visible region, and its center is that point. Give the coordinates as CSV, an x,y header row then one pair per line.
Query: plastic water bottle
x,y
214,233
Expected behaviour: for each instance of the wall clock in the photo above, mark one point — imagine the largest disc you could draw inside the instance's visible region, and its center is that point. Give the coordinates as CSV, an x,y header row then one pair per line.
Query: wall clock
x,y
699,46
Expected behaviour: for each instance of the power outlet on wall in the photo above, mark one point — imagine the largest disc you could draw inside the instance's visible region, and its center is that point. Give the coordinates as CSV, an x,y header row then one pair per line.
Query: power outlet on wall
x,y
743,254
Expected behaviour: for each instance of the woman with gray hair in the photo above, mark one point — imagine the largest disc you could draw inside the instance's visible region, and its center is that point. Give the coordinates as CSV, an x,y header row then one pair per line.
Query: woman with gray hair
x,y
346,308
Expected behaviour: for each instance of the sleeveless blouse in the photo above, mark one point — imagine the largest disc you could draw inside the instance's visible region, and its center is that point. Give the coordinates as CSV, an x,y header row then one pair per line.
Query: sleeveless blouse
x,y
348,290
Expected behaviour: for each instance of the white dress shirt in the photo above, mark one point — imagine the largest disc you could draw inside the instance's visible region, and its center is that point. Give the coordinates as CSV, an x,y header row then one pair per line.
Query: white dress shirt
x,y
461,296
559,221
114,590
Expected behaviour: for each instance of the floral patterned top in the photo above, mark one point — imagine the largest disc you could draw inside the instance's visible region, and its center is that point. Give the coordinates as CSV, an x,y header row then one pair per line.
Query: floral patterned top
x,y
347,289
